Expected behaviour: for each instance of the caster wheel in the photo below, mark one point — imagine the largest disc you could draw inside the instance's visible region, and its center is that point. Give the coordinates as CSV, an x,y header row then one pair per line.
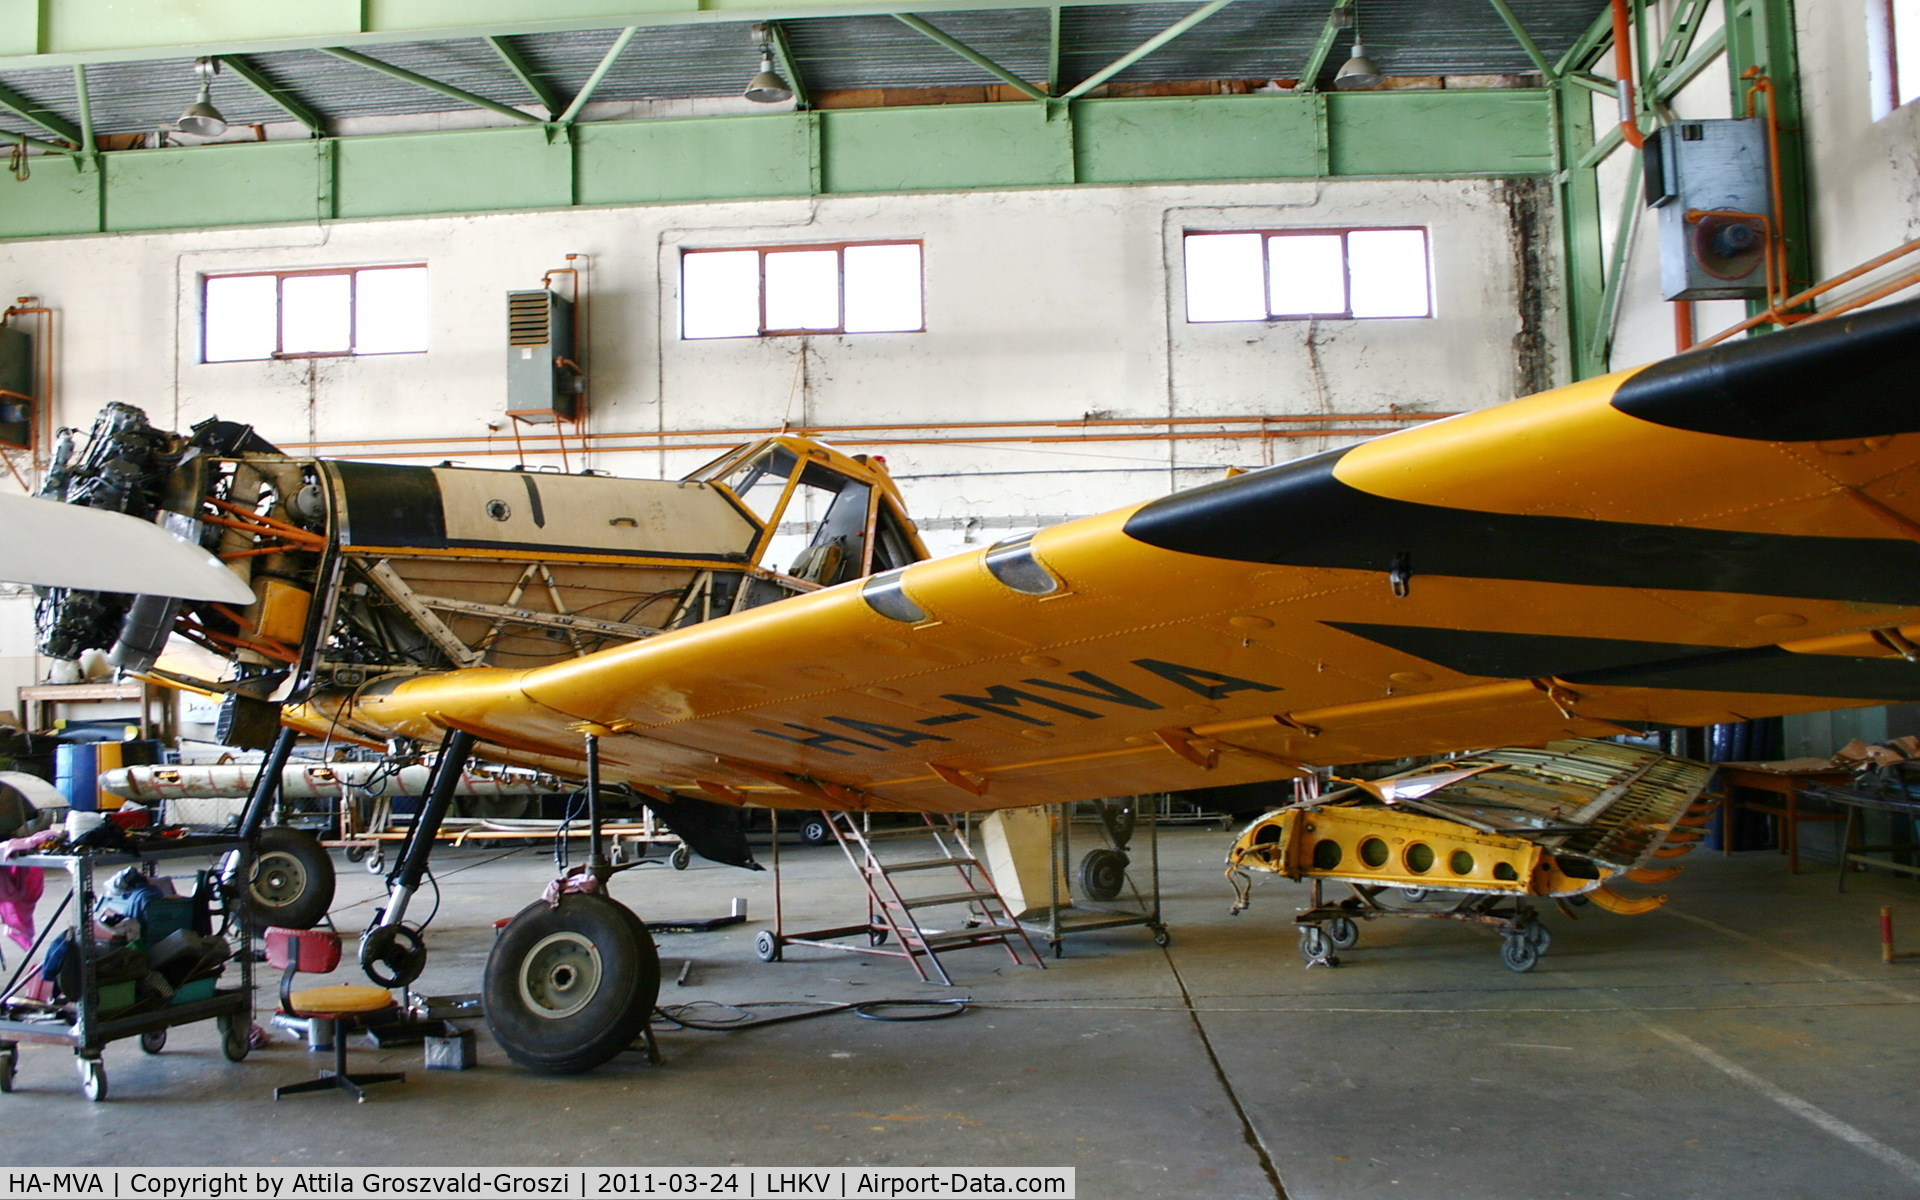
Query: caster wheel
x,y
6,1069
356,853
767,946
1414,895
1343,932
616,854
1162,938
815,831
876,937
153,1041
93,1079
682,855
1518,954
375,862
236,1037
1315,945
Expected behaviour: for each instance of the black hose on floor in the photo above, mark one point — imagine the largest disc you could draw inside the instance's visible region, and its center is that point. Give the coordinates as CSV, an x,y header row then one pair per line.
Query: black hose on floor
x,y
872,1010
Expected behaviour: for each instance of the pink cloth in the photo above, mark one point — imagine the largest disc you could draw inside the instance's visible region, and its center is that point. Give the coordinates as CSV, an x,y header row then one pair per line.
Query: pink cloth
x,y
30,843
574,881
19,892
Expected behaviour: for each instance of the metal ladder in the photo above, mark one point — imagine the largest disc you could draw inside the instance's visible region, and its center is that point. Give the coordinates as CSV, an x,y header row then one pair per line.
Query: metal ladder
x,y
897,916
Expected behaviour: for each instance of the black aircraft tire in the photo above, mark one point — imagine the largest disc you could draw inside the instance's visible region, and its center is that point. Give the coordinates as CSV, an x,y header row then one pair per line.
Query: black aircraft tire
x,y
568,988
292,881
1102,874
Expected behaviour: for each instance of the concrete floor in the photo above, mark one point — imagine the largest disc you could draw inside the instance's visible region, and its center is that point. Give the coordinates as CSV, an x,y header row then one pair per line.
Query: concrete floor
x,y
1745,1040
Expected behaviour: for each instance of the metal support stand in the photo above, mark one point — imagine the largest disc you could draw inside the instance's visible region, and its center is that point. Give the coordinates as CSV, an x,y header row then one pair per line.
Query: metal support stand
x,y
1066,915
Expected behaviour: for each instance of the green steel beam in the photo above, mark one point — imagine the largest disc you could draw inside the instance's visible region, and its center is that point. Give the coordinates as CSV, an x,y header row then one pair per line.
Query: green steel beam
x,y
950,148
536,86
1525,39
789,66
1053,51
1600,340
1145,48
599,73
1587,47
432,85
282,98
85,104
27,110
1681,31
1593,83
971,55
1760,36
21,139
1322,47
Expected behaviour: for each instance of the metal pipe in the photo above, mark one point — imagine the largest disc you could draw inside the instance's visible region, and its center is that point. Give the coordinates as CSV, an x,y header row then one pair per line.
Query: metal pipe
x,y
607,60
971,55
81,100
432,85
1821,288
1145,48
830,430
596,859
1623,67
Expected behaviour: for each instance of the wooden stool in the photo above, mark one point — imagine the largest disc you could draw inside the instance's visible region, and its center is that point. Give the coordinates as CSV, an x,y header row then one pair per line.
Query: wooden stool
x,y
344,1006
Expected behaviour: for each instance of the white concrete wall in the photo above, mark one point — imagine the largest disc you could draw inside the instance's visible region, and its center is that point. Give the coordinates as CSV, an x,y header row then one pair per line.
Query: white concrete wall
x,y
1042,304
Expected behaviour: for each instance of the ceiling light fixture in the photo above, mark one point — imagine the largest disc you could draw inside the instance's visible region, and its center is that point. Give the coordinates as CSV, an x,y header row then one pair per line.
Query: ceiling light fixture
x,y
766,87
1359,72
202,119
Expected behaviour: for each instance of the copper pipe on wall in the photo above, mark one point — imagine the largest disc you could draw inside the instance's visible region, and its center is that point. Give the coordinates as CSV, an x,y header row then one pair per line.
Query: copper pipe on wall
x,y
1772,315
1623,67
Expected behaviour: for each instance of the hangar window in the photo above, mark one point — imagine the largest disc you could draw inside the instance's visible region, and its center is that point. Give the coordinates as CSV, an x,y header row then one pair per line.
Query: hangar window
x,y
768,291
308,314
1893,42
1297,274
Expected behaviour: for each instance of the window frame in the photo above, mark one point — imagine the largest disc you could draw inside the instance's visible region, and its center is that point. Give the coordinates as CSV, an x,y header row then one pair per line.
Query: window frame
x,y
280,278
1266,271
840,286
1884,22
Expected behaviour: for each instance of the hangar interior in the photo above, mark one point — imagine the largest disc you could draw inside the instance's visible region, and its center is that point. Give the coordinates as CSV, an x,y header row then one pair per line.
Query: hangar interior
x,y
1017,266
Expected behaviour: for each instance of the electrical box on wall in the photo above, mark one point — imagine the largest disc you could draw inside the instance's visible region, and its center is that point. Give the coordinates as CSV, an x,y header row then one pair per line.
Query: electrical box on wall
x,y
1708,181
544,380
16,389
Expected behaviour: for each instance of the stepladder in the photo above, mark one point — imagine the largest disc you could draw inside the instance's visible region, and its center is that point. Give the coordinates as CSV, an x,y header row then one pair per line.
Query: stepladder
x,y
926,894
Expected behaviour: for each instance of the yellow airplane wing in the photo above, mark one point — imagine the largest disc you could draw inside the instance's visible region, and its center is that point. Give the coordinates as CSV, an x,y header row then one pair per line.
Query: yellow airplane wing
x,y
1730,533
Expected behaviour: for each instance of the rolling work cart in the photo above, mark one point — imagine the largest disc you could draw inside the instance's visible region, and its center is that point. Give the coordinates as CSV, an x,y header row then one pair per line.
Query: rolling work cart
x,y
80,1022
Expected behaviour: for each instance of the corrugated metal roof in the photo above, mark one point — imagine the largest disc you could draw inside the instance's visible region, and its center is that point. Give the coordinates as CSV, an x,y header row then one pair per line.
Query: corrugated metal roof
x,y
1251,39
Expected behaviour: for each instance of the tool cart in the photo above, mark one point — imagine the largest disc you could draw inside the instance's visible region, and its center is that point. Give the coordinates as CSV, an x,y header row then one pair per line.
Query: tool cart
x,y
84,1021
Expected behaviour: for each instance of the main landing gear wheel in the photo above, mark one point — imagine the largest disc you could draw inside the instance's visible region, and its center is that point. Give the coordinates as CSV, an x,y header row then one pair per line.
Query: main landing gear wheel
x,y
291,884
767,946
392,955
1343,932
569,987
153,1041
1102,874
